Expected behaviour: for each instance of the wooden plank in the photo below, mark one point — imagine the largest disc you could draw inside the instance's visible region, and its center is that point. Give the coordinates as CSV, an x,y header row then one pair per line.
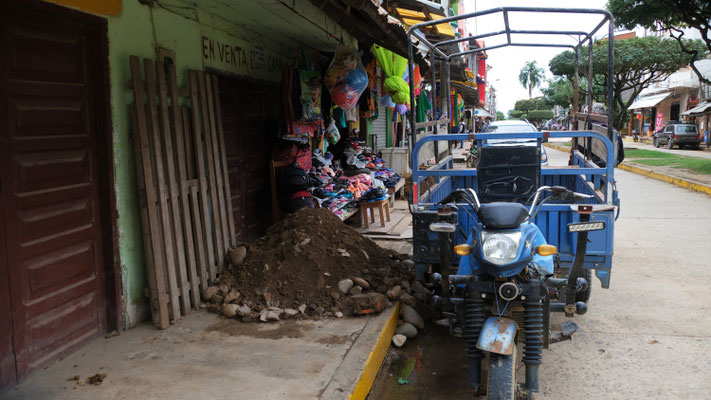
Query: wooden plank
x,y
217,160
169,252
174,197
201,174
153,260
191,188
214,234
225,171
145,221
179,138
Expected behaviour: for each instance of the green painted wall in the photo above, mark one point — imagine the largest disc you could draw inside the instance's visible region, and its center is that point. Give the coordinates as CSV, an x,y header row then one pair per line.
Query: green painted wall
x,y
186,29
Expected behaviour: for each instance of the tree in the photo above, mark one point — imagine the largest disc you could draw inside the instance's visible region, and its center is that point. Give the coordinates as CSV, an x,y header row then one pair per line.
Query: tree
x,y
500,116
531,76
539,103
638,63
539,115
516,114
667,15
559,92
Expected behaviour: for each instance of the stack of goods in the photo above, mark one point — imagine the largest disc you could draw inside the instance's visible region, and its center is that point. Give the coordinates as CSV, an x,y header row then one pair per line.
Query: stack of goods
x,y
338,181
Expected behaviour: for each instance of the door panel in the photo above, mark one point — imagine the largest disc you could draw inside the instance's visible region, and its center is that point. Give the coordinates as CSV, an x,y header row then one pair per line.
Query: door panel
x,y
49,181
249,116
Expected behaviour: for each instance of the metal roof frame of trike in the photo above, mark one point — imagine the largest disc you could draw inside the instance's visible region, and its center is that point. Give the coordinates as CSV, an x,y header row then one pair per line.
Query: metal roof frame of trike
x,y
582,38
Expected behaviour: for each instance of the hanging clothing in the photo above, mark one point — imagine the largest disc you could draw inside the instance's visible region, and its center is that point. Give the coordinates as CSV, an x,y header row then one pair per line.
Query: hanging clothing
x,y
422,106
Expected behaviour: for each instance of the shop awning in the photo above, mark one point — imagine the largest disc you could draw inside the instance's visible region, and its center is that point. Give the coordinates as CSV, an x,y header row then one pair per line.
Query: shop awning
x,y
706,105
469,93
649,101
479,112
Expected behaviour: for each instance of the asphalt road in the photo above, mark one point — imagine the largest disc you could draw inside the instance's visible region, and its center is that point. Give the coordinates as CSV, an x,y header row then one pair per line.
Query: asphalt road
x,y
648,336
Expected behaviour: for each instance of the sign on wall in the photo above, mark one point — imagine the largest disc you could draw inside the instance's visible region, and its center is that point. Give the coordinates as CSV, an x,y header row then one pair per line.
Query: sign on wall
x,y
231,54
660,120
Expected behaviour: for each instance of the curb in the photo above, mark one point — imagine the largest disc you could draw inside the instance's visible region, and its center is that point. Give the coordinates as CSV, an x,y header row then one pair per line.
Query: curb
x,y
376,357
559,148
356,374
683,183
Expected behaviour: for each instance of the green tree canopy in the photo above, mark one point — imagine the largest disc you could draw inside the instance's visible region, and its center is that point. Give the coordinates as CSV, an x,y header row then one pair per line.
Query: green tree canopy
x,y
539,103
531,76
559,92
539,115
516,114
638,63
500,116
667,15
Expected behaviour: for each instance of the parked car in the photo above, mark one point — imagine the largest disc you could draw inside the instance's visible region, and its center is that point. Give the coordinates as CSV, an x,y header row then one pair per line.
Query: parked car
x,y
514,126
678,134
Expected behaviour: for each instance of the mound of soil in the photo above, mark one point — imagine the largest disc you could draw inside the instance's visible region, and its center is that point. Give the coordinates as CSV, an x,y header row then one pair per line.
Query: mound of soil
x,y
299,263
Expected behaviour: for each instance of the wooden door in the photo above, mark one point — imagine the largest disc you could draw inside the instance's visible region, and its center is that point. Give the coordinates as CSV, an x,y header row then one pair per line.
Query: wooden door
x,y
49,64
250,115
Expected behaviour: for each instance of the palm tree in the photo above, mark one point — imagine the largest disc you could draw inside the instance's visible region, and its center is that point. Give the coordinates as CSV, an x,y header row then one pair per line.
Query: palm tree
x,y
531,76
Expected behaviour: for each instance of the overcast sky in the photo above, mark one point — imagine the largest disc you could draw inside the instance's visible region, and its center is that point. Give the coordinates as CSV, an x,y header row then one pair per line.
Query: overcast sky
x,y
506,63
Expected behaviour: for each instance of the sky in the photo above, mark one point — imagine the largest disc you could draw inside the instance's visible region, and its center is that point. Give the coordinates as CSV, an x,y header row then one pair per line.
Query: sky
x,y
506,63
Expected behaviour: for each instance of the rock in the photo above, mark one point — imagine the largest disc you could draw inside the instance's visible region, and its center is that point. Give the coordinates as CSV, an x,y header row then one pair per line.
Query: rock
x,y
394,293
244,310
369,303
210,292
237,255
320,282
422,298
229,310
345,285
419,289
407,299
408,263
355,290
367,257
224,289
290,312
212,307
408,330
399,340
339,314
270,314
361,282
405,285
302,308
410,315
327,274
305,241
335,295
231,297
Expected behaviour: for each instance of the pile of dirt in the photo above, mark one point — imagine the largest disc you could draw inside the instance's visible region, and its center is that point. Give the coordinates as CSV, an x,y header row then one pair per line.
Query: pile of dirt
x,y
309,265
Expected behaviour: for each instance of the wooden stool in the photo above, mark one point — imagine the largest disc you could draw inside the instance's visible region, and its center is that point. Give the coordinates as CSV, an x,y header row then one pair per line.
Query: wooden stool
x,y
372,206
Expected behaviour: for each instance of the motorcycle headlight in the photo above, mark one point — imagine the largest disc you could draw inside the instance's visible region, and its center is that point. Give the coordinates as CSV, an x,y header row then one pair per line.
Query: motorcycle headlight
x,y
500,248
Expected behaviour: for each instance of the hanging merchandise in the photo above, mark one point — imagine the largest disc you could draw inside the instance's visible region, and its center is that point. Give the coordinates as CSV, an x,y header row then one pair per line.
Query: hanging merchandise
x,y
395,67
346,78
422,106
310,82
418,80
368,103
332,134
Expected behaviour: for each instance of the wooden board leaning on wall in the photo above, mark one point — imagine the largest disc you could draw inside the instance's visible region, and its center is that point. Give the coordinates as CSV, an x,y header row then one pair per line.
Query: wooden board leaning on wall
x,y
184,191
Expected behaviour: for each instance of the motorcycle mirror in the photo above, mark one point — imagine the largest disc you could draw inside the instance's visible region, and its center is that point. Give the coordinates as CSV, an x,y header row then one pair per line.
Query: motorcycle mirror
x,y
546,250
463,249
442,227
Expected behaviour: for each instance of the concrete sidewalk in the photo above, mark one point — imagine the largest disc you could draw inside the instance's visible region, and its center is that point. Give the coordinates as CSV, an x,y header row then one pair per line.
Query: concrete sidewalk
x,y
206,356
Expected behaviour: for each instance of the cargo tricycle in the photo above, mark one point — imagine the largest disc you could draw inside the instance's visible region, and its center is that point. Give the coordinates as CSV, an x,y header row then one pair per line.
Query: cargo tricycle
x,y
505,245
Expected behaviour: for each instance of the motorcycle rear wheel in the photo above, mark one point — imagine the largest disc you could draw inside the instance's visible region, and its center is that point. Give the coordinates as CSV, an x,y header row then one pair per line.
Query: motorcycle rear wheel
x,y
501,384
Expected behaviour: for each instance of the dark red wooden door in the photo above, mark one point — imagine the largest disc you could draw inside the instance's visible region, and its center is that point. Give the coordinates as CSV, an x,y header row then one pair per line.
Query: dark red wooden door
x,y
48,178
250,113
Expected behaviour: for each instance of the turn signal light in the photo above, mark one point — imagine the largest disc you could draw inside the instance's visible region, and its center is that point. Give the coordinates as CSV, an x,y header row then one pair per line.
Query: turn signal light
x,y
546,250
463,249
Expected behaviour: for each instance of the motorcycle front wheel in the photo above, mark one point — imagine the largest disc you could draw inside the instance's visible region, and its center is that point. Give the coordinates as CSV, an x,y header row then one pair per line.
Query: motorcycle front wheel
x,y
502,376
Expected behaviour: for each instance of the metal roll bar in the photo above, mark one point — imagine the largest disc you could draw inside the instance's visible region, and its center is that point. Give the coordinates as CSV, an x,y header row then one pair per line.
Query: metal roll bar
x,y
414,31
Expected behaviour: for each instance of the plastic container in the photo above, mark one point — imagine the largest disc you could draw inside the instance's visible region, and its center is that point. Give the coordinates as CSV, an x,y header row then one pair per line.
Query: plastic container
x,y
396,158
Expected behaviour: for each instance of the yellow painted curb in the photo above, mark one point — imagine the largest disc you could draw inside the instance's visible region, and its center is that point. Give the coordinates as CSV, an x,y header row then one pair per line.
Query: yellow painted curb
x,y
697,187
376,357
559,148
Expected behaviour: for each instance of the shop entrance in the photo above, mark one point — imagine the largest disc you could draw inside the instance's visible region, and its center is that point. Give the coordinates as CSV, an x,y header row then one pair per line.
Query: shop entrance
x,y
250,119
52,296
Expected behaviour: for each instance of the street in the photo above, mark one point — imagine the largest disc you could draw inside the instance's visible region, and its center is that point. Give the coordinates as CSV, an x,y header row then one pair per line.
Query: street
x,y
645,337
